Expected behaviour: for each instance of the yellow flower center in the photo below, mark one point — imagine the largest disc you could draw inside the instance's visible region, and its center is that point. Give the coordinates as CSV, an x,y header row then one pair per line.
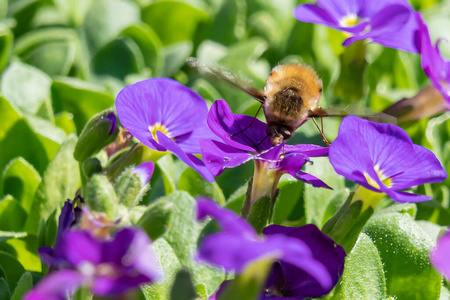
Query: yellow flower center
x,y
158,127
385,180
349,20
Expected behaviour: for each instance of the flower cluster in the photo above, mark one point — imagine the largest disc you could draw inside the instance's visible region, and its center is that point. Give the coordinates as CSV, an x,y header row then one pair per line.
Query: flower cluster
x,y
243,139
307,262
436,68
382,158
107,267
165,115
389,23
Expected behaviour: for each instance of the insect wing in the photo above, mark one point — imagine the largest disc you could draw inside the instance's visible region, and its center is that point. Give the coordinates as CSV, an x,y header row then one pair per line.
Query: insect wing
x,y
226,75
364,113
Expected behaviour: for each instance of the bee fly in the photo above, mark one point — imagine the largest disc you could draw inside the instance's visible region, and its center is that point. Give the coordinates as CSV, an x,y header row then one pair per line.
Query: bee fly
x,y
289,99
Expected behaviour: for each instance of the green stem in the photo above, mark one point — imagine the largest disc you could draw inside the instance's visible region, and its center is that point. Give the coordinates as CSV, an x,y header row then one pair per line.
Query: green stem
x,y
344,227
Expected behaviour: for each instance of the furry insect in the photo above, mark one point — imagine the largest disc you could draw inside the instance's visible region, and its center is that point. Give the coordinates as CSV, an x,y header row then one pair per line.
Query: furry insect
x,y
289,99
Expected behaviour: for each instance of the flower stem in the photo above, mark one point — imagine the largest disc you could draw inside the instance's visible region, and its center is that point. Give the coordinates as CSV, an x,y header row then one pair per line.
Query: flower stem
x,y
345,226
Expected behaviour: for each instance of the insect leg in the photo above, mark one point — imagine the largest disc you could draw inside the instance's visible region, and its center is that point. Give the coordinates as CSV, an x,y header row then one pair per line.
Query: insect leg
x,y
249,125
260,142
282,155
324,139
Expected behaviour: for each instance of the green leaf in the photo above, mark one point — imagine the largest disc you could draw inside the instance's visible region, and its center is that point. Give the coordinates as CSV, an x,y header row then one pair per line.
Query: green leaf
x,y
25,251
118,58
26,87
21,181
321,204
404,250
6,235
64,120
175,56
183,230
106,19
60,182
12,269
166,166
183,288
403,208
4,289
183,233
193,183
149,44
289,197
3,8
363,276
249,284
12,215
156,219
6,41
170,265
52,50
74,11
173,21
47,130
24,284
80,98
20,140
8,116
350,84
230,22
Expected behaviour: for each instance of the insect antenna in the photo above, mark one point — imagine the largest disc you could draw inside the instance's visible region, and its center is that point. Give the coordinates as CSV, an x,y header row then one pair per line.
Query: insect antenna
x,y
324,139
249,125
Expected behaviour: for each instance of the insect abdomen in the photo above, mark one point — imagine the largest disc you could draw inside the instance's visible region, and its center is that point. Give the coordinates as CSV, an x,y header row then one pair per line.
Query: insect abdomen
x,y
287,102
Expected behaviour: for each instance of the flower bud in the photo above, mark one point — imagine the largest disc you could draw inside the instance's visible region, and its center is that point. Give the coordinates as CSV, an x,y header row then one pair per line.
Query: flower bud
x,y
91,166
99,132
156,219
100,195
132,184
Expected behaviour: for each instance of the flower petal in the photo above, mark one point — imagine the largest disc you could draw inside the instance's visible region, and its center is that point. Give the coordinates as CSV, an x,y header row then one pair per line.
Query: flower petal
x,y
56,286
389,146
436,68
439,255
145,172
307,149
311,13
163,101
217,156
424,168
228,220
79,247
297,282
232,129
404,197
192,161
190,142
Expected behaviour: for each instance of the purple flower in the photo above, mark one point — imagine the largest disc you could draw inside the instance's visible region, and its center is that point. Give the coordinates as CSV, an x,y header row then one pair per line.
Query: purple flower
x,y
439,255
166,116
145,172
436,68
253,144
107,267
390,23
288,281
383,159
308,264
69,216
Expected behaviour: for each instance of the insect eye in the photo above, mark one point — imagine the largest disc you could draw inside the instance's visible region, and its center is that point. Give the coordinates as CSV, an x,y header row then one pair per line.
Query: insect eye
x,y
320,90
